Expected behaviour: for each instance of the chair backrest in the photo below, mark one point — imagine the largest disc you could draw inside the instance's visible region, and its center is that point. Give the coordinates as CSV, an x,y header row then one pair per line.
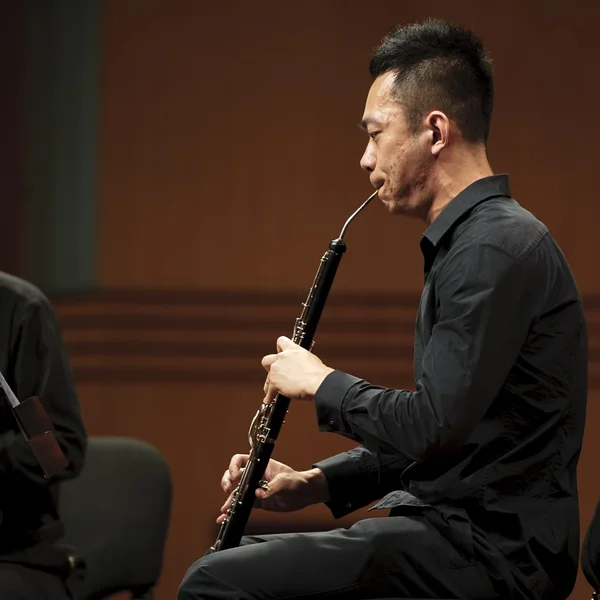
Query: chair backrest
x,y
590,551
116,515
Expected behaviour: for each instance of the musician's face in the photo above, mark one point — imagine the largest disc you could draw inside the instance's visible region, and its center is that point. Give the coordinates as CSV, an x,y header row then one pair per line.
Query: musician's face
x,y
398,160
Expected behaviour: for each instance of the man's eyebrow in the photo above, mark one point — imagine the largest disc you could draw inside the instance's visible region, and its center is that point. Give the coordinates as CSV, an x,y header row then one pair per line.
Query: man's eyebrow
x,y
366,122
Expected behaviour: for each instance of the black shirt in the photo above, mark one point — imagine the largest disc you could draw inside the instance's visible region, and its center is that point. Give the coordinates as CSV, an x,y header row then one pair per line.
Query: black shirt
x,y
495,425
34,363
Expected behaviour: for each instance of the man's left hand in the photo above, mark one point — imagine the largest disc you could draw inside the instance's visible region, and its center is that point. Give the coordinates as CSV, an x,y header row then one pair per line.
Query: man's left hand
x,y
293,372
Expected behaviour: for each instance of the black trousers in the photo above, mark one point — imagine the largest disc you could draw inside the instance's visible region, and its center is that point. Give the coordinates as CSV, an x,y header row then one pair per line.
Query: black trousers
x,y
19,582
430,555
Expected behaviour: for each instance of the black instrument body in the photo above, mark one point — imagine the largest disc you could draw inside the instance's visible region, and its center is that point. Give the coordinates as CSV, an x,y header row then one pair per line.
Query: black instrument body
x,y
269,418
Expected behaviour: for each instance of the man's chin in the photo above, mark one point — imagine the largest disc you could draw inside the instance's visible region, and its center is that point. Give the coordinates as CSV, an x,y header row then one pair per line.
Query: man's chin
x,y
397,207
390,203
394,205
383,197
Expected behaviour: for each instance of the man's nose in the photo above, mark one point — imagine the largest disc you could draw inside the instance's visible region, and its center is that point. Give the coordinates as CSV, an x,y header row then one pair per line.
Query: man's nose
x,y
367,161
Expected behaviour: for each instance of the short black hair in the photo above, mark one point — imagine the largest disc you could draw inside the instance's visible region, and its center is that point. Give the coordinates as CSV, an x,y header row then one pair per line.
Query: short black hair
x,y
440,66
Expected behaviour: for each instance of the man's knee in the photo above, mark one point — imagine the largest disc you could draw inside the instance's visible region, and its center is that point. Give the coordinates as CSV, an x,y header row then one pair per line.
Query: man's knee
x,y
192,581
205,579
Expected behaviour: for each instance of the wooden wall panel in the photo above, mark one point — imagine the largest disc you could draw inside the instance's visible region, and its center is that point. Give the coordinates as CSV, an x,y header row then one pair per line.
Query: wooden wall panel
x,y
229,151
229,159
208,338
182,371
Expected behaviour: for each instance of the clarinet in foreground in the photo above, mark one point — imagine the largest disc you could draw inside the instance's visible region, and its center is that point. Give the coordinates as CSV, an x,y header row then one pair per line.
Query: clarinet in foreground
x,y
269,418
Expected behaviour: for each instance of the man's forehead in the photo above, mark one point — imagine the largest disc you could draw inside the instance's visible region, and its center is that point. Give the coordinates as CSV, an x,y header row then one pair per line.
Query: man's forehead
x,y
381,105
382,89
380,97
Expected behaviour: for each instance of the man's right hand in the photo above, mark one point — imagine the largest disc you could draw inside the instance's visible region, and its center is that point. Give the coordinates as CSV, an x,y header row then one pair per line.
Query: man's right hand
x,y
287,490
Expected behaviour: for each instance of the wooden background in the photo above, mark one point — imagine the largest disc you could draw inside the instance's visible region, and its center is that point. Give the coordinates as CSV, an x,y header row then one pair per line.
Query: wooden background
x,y
229,158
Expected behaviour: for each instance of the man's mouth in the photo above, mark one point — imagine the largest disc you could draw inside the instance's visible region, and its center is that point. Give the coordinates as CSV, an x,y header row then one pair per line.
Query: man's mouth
x,y
379,186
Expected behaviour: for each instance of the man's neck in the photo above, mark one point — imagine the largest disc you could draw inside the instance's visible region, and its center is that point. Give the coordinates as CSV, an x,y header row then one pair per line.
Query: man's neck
x,y
453,176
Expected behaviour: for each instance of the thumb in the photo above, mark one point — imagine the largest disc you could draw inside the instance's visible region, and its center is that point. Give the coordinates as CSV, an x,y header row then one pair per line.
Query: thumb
x,y
264,493
273,487
284,343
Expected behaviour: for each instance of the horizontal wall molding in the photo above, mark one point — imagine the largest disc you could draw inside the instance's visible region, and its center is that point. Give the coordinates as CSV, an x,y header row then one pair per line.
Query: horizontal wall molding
x,y
213,337
193,297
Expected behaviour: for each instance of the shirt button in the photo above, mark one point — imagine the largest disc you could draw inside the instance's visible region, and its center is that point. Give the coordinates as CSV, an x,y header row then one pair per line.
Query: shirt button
x,y
332,423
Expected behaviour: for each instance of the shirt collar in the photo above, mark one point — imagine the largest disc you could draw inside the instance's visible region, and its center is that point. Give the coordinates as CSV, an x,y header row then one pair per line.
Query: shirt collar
x,y
479,191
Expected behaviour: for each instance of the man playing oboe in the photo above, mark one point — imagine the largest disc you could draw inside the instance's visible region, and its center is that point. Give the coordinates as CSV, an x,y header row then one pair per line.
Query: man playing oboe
x,y
477,464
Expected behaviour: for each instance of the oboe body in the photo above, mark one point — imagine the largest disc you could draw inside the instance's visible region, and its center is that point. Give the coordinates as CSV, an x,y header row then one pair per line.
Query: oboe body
x,y
269,418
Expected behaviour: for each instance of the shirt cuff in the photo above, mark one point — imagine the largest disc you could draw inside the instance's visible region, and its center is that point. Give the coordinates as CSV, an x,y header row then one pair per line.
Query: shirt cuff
x,y
329,401
341,473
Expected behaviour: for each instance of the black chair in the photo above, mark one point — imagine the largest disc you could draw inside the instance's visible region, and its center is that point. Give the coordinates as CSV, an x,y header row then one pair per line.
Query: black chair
x,y
116,515
590,553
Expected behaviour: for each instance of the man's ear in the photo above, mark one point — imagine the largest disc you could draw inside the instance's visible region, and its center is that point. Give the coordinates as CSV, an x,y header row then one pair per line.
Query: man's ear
x,y
438,127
